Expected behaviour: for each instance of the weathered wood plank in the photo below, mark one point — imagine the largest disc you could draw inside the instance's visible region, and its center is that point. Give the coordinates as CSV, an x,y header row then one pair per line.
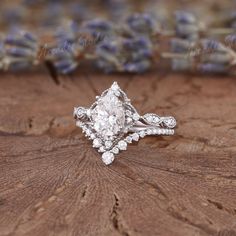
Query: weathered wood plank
x,y
53,183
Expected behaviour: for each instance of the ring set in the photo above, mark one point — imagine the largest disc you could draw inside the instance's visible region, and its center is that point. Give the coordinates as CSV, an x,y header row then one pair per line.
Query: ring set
x,y
112,123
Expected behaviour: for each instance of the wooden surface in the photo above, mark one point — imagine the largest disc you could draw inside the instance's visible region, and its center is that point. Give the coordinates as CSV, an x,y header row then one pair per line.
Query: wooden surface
x,y
52,182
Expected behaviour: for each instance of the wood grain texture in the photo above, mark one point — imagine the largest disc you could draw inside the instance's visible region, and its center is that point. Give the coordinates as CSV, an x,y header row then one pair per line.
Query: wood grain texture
x,y
52,182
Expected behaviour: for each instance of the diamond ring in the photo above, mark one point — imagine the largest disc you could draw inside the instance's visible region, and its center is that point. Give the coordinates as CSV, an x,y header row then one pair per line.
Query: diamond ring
x,y
112,123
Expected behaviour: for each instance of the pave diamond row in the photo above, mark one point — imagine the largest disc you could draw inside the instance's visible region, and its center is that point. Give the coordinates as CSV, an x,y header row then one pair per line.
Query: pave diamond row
x,y
109,151
109,156
154,119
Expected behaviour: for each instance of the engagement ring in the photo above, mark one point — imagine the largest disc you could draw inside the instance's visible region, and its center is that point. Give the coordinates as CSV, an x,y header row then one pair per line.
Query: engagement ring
x,y
112,123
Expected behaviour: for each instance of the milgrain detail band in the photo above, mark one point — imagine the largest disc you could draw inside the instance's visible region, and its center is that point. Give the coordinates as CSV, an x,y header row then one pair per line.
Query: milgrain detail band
x,y
113,123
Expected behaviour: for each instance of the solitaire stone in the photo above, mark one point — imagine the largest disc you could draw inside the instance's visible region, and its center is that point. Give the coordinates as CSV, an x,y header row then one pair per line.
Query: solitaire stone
x,y
108,115
108,157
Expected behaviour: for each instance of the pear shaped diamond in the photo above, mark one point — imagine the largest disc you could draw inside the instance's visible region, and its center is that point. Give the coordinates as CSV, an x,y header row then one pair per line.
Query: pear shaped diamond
x,y
108,115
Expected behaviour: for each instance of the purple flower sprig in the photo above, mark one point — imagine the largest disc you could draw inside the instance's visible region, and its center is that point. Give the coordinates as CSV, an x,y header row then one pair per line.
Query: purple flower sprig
x,y
204,55
124,55
65,52
187,26
126,46
141,25
21,50
181,58
2,55
216,57
98,29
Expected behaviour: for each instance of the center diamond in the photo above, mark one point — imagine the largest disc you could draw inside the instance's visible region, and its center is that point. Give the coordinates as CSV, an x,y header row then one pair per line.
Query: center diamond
x,y
108,115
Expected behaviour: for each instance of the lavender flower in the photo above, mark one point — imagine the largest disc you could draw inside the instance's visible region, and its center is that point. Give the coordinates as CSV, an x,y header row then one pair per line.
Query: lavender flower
x,y
142,24
185,17
186,26
184,48
216,57
212,68
98,29
64,54
187,33
108,54
67,33
125,55
65,65
209,45
181,64
181,45
21,49
1,55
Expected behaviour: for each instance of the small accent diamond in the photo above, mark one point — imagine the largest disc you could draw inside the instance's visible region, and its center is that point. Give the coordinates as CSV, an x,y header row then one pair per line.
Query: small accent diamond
x,y
142,134
79,112
156,119
135,137
129,120
170,122
108,157
149,132
128,139
122,145
154,131
136,116
150,119
88,112
101,149
115,150
108,144
97,143
128,113
88,132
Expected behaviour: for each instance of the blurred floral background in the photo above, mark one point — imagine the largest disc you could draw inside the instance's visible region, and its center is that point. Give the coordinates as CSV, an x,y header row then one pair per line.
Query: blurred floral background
x,y
118,35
